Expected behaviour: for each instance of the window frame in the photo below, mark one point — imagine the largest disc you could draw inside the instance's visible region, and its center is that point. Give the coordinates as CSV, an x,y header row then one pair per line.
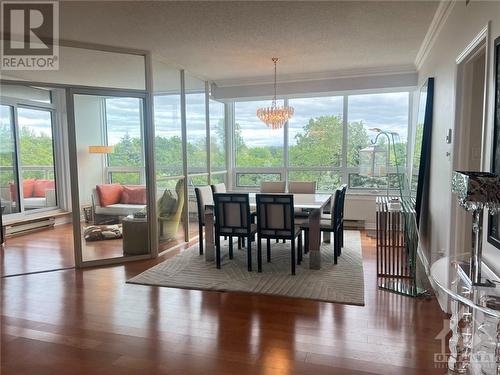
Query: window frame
x,y
57,139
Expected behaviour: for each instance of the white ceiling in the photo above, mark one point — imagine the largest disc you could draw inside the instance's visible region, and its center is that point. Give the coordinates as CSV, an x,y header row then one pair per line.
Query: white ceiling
x,y
231,41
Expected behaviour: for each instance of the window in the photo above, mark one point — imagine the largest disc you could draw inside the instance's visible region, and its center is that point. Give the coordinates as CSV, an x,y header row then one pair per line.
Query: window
x,y
316,132
217,136
324,138
255,144
123,132
168,139
8,162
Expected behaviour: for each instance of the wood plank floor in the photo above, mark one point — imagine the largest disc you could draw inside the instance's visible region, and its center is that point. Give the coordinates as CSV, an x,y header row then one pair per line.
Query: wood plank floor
x,y
53,249
91,322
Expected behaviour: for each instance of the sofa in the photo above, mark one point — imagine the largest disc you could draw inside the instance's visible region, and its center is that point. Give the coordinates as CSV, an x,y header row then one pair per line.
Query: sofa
x,y
37,193
112,201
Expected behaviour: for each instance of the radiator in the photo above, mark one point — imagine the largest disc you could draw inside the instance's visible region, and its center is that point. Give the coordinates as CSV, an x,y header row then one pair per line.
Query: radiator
x,y
29,226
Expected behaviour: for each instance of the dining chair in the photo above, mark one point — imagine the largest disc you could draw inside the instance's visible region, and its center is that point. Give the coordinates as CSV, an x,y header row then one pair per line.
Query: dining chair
x,y
275,220
329,225
341,226
302,187
272,187
204,197
233,219
218,188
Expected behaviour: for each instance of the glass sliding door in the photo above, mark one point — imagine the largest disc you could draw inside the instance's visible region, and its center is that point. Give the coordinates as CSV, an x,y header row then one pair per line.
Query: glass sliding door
x,y
9,188
112,188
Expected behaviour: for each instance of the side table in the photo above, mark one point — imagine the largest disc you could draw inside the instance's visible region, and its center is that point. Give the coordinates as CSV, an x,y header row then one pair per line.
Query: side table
x,y
135,236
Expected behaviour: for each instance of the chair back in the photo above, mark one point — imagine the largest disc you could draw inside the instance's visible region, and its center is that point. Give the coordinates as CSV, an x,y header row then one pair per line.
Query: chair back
x,y
275,215
203,197
335,208
219,188
272,186
301,187
342,201
232,214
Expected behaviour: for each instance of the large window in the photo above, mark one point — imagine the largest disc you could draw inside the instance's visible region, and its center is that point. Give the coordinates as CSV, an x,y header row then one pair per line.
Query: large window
x,y
321,142
123,132
255,144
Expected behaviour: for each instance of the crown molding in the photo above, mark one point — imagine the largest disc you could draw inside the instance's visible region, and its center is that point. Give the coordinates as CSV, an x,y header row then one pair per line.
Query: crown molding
x,y
318,76
442,12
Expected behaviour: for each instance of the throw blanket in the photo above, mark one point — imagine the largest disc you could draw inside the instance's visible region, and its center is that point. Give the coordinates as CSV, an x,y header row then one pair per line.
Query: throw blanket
x,y
102,232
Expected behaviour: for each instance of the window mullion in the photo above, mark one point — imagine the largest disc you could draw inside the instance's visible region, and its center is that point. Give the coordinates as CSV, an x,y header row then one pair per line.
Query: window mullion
x,y
345,138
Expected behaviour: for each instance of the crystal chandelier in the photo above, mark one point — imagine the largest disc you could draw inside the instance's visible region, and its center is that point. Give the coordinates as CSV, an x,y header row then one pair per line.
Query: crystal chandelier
x,y
275,116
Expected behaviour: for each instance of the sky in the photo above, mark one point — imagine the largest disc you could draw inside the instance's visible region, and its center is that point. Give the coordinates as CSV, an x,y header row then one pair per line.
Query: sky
x,y
388,111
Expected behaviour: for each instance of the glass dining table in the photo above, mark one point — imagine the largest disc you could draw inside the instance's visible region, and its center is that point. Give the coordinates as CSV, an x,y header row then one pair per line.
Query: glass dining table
x,y
314,203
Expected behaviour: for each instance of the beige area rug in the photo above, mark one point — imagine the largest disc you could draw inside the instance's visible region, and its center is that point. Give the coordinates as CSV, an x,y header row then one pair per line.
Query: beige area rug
x,y
341,283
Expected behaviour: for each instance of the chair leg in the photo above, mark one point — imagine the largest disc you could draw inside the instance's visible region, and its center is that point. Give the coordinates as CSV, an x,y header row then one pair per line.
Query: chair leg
x,y
277,241
217,251
336,243
239,243
284,241
200,238
292,245
268,250
230,247
243,241
249,255
299,261
259,254
306,241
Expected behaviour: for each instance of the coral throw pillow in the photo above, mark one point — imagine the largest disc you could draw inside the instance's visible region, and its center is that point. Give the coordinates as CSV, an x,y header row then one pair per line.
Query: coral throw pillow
x,y
29,188
109,194
41,186
134,195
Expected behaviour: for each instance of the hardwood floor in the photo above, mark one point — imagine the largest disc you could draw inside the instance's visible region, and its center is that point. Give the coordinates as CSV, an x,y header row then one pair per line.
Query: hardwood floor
x,y
53,249
91,322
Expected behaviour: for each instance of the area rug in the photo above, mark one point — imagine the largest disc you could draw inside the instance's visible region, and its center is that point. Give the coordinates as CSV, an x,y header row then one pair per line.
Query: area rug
x,y
342,282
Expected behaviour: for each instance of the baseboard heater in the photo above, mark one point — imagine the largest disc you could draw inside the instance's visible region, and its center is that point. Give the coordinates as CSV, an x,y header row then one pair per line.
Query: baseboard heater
x,y
23,227
354,224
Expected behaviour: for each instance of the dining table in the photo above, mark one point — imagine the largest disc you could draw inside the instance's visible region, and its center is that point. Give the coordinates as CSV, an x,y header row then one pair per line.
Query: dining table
x,y
314,203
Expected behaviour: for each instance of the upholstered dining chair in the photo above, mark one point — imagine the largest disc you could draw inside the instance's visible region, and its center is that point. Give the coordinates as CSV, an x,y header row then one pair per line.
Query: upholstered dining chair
x,y
233,219
204,197
329,224
275,220
302,187
272,187
219,188
341,226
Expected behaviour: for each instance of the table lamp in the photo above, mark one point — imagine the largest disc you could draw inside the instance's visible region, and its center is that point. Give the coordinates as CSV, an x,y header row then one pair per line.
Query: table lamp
x,y
476,191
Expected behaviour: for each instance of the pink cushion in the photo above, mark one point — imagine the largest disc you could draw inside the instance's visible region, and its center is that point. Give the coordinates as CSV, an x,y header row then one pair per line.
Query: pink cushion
x,y
109,194
133,194
41,186
29,188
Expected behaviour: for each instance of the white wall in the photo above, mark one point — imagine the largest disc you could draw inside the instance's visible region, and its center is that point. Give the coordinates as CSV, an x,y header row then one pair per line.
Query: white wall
x,y
461,26
89,132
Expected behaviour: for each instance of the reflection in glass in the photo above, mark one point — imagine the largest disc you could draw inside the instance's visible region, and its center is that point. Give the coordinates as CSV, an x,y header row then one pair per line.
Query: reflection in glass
x,y
37,158
217,136
111,182
9,192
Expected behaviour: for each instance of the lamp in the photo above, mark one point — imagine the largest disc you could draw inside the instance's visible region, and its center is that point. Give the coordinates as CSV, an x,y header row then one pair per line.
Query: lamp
x,y
374,159
274,116
101,149
476,191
